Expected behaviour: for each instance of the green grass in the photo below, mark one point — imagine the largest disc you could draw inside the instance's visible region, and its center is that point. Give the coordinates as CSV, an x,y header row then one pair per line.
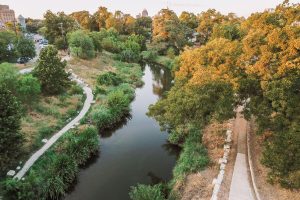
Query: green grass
x,y
147,192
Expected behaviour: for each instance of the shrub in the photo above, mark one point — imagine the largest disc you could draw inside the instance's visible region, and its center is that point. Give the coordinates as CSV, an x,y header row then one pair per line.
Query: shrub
x,y
11,139
171,53
111,44
75,89
109,78
81,147
147,192
149,55
81,45
28,89
65,167
118,102
8,76
102,117
193,157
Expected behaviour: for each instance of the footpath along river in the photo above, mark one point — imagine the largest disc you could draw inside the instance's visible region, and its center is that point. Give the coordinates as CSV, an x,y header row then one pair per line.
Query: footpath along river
x,y
134,152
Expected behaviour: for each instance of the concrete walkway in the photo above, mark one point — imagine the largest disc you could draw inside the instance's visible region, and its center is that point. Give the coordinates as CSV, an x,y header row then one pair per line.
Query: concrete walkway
x,y
54,138
240,188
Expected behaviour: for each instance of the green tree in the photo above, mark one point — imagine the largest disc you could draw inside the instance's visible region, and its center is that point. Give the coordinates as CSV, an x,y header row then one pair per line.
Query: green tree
x,y
28,89
81,44
58,25
143,27
8,52
33,25
9,76
11,139
26,48
51,71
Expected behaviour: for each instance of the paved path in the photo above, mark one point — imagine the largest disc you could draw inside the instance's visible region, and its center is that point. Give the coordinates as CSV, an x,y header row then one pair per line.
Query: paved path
x,y
240,188
54,138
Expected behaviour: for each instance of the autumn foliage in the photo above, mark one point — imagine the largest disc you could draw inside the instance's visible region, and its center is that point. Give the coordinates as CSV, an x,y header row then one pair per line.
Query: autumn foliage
x,y
254,63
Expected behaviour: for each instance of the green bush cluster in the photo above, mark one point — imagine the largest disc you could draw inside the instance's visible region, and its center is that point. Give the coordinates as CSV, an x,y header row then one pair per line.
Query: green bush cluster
x,y
109,78
193,157
147,192
149,55
57,170
116,107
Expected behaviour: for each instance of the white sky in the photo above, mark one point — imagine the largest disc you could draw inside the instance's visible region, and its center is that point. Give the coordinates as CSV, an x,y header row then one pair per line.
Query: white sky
x,y
36,8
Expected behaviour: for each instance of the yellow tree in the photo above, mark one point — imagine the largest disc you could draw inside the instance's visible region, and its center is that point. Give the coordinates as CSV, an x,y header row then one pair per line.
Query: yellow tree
x,y
83,18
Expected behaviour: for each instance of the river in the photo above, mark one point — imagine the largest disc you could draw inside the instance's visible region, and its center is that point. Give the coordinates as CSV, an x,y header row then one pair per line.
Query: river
x,y
135,152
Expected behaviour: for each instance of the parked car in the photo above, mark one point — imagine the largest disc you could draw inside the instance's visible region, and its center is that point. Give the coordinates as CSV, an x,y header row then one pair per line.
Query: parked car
x,y
22,60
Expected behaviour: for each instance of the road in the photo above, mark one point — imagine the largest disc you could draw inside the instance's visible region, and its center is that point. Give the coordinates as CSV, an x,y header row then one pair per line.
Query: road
x,y
55,137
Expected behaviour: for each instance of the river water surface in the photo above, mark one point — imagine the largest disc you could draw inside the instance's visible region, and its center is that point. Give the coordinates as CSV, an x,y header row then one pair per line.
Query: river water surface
x,y
136,152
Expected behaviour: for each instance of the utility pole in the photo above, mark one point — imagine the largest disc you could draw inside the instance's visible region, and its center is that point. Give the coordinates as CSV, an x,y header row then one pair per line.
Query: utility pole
x,y
62,32
15,27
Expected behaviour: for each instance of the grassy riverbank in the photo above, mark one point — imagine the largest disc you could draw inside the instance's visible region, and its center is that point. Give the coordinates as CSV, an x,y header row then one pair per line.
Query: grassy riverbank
x,y
57,170
163,61
113,84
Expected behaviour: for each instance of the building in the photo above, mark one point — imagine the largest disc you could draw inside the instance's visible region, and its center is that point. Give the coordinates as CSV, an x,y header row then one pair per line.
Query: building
x,y
6,15
21,21
145,13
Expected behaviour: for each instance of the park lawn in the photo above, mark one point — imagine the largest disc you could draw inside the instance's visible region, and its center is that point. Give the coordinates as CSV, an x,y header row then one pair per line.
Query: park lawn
x,y
47,117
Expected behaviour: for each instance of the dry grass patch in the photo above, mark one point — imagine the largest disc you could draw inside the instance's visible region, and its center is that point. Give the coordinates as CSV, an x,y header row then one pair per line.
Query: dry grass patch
x,y
88,70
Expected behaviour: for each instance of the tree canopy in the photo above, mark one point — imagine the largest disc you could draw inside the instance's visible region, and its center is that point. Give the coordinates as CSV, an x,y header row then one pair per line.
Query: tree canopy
x,y
50,71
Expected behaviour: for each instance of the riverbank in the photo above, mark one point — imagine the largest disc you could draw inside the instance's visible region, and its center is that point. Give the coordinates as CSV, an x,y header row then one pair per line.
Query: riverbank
x,y
74,149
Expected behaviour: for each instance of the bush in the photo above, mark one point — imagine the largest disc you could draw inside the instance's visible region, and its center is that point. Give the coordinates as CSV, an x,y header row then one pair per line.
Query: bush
x,y
130,51
9,76
109,78
147,192
193,157
66,168
75,89
118,102
28,89
111,44
149,55
81,45
83,146
171,53
102,117
60,43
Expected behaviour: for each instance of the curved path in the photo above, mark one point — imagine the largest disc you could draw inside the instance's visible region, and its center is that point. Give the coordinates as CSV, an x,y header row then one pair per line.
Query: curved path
x,y
240,188
54,138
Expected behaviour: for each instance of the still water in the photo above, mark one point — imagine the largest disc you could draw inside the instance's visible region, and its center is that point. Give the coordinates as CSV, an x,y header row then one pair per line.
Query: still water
x,y
135,152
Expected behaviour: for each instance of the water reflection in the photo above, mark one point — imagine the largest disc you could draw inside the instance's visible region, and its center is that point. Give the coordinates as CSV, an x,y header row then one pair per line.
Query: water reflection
x,y
162,79
135,151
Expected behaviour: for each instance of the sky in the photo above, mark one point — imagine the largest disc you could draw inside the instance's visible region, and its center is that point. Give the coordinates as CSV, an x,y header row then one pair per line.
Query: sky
x,y
36,8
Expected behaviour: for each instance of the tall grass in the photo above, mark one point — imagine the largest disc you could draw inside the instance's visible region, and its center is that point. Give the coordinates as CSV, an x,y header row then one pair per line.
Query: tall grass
x,y
57,170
